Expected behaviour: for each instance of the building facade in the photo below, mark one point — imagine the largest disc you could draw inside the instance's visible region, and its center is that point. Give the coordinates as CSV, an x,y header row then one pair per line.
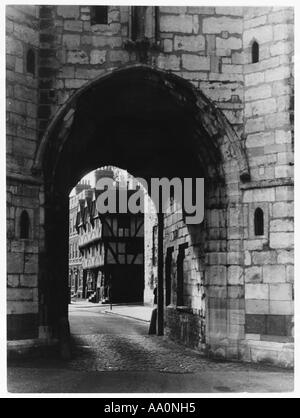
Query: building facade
x,y
163,92
111,246
75,258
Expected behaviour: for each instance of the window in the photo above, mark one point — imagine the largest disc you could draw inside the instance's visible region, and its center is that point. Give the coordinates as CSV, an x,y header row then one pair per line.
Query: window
x,y
135,247
259,222
99,15
255,52
24,225
30,62
144,23
124,222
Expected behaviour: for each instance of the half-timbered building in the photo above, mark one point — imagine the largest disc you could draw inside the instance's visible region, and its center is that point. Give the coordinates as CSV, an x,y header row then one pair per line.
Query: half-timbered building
x,y
112,248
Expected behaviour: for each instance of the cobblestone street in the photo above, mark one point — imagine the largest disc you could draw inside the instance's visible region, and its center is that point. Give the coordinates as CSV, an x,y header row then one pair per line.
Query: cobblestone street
x,y
112,354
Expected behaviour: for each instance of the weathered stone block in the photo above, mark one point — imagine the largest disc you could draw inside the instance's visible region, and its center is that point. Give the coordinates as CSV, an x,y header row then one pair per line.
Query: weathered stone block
x,y
277,120
247,258
169,62
281,48
13,280
281,87
98,57
253,275
261,34
195,63
290,274
21,307
77,57
285,257
254,125
216,275
281,240
253,244
74,84
14,47
181,23
260,139
71,41
225,46
235,292
121,56
21,295
256,93
189,43
28,280
235,275
277,74
31,263
68,12
257,291
277,325
168,45
281,16
283,31
281,307
263,107
257,307
15,263
255,22
259,195
235,258
284,171
73,25
173,10
279,225
256,324
274,274
283,137
281,291
283,209
264,257
213,25
254,79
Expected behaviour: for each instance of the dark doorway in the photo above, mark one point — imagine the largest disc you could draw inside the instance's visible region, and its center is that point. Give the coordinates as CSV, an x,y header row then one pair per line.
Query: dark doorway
x,y
169,259
180,275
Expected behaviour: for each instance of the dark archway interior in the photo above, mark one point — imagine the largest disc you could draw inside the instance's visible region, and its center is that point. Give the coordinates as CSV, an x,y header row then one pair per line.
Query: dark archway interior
x,y
134,120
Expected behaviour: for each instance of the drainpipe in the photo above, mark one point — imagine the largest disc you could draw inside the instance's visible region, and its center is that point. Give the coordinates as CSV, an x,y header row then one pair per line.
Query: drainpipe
x,y
160,285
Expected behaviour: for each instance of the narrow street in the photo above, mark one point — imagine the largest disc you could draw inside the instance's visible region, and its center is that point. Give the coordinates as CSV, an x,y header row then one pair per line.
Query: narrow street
x,y
115,354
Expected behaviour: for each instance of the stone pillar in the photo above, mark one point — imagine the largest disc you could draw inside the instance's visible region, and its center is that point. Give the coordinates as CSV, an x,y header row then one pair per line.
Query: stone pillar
x,y
160,287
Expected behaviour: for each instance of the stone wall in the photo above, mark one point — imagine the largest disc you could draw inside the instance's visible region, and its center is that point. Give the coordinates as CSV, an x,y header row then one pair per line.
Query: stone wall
x,y
268,120
202,45
239,284
23,193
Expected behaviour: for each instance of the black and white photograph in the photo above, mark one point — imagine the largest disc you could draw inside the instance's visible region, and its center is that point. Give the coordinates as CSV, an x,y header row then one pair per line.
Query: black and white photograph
x,y
149,184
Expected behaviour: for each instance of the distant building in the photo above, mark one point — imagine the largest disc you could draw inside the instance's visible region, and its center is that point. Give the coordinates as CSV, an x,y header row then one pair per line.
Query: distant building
x,y
75,259
112,250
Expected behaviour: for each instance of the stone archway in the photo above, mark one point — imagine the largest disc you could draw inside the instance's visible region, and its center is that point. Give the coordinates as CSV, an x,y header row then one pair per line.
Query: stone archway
x,y
152,123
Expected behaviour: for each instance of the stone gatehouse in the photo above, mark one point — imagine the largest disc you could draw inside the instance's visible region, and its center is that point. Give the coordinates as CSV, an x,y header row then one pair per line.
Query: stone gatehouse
x,y
161,92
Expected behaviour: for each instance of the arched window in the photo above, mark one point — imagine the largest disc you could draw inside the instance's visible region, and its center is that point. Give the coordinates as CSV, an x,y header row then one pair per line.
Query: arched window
x,y
255,52
259,222
30,62
24,225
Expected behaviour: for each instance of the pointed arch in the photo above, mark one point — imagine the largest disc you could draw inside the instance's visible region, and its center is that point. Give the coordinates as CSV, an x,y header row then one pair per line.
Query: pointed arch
x,y
259,224
24,225
255,52
210,120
